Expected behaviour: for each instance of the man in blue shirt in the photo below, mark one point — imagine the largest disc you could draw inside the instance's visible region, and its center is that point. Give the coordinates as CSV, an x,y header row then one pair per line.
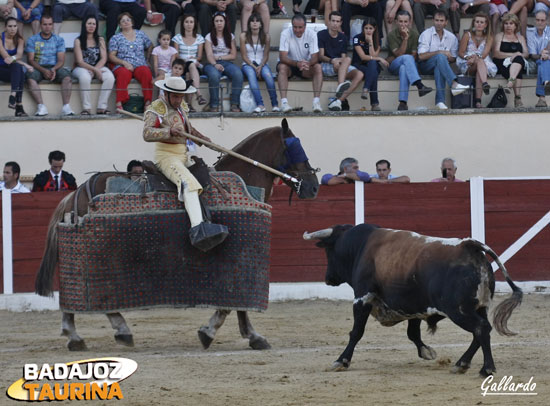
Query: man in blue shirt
x,y
46,54
349,173
537,42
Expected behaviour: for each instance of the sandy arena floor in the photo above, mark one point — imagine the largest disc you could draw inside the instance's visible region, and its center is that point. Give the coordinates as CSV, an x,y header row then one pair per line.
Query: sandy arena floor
x,y
307,336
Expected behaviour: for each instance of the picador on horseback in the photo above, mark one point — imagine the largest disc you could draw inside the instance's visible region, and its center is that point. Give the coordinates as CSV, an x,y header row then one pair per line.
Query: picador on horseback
x,y
165,123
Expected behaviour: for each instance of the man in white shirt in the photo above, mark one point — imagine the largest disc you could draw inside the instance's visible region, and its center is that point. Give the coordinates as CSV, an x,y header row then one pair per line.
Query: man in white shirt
x,y
12,171
299,55
437,49
538,40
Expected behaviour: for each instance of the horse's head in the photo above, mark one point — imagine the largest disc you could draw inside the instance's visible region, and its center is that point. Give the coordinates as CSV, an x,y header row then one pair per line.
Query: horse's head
x,y
296,163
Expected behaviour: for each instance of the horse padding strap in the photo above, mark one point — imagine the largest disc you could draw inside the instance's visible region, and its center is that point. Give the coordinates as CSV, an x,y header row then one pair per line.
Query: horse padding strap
x,y
133,251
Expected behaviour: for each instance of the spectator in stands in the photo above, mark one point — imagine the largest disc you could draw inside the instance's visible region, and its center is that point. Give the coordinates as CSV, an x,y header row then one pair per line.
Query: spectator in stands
x,y
54,179
46,54
421,8
437,49
402,44
299,56
521,8
473,54
190,47
221,49
63,9
135,169
366,51
129,51
90,54
392,8
333,47
255,45
173,9
29,12
368,8
11,65
12,170
448,171
349,173
163,55
537,42
113,9
497,8
509,53
466,7
541,5
7,9
259,7
383,174
209,8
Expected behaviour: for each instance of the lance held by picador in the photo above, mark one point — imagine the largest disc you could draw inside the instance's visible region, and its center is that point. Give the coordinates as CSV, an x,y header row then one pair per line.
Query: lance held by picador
x,y
165,122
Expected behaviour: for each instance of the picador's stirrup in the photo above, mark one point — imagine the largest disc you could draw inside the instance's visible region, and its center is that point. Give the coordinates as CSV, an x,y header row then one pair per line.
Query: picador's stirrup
x,y
206,236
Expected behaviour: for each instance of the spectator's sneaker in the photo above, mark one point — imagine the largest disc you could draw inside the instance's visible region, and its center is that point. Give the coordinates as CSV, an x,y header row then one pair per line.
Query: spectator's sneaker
x,y
276,109
345,105
342,87
317,107
459,89
441,106
375,107
259,109
287,108
541,103
335,105
66,110
41,110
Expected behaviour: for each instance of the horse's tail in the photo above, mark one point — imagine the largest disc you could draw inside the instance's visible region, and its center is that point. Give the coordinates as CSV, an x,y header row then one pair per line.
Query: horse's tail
x,y
43,285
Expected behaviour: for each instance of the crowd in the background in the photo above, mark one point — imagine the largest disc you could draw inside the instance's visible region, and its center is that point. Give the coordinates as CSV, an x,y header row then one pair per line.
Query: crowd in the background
x,y
498,41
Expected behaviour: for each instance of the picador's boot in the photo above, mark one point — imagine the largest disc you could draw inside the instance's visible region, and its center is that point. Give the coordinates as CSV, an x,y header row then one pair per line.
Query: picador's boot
x,y
203,235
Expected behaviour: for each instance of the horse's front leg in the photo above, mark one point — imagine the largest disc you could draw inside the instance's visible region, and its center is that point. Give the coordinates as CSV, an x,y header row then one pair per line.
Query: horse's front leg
x,y
207,333
68,329
123,334
256,341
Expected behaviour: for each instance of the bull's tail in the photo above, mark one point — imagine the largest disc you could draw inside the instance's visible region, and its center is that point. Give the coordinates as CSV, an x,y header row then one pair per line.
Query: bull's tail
x,y
43,285
504,310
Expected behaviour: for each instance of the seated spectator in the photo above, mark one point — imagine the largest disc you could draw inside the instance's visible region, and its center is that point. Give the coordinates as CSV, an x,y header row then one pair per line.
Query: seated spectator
x,y
46,54
459,8
259,7
537,43
113,9
473,55
335,61
173,9
299,56
383,174
163,55
90,54
12,170
29,12
7,9
366,51
497,8
255,46
135,169
349,173
11,65
220,51
403,43
209,8
190,47
392,8
54,179
541,5
448,171
129,51
63,9
509,51
437,49
422,8
367,8
521,8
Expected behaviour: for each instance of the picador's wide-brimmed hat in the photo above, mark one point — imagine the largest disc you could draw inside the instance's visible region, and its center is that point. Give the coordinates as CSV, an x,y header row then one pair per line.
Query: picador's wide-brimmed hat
x,y
175,84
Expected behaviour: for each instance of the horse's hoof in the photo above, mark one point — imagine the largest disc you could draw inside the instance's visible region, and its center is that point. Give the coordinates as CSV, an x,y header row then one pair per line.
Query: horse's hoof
x,y
485,372
259,343
460,369
428,353
206,340
77,345
338,366
125,339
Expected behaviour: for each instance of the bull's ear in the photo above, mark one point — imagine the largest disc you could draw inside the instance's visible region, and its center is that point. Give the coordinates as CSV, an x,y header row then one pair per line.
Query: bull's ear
x,y
284,125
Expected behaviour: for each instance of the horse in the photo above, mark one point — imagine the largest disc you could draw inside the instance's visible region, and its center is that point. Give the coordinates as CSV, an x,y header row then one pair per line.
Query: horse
x,y
276,147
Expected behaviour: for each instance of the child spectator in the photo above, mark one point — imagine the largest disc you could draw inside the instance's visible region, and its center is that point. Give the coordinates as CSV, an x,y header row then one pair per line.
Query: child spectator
x,y
29,12
163,55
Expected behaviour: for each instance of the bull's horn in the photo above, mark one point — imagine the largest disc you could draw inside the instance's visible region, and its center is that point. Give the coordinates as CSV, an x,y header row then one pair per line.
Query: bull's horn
x,y
318,234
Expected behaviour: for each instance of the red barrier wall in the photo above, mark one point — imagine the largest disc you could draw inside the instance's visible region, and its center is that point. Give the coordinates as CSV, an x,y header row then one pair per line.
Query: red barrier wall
x,y
437,209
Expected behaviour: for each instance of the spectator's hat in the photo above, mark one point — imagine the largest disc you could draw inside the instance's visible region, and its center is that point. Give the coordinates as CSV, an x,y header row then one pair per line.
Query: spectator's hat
x,y
175,84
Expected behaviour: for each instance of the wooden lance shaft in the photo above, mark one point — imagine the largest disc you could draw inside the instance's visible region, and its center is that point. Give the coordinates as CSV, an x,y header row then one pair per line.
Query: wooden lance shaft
x,y
219,148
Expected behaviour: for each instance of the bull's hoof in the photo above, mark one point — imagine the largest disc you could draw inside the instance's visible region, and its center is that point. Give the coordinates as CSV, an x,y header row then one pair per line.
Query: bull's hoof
x,y
206,340
259,343
77,345
338,366
460,368
485,372
428,353
125,339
